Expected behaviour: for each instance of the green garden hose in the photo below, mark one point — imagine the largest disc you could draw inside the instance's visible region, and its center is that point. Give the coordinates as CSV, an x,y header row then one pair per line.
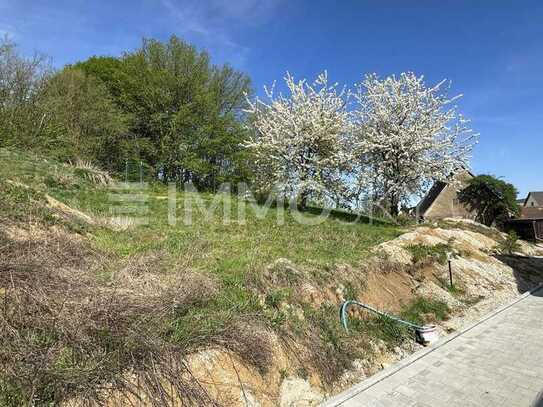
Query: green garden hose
x,y
425,334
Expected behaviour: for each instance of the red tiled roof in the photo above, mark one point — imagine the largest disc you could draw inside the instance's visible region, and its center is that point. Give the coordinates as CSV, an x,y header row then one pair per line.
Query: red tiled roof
x,y
528,212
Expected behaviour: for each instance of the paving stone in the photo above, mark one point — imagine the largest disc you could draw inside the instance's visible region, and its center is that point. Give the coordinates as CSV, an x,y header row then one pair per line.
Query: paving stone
x,y
498,362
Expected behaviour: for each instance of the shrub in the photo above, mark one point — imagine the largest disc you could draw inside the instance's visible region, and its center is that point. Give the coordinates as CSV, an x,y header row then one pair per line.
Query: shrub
x,y
492,199
510,245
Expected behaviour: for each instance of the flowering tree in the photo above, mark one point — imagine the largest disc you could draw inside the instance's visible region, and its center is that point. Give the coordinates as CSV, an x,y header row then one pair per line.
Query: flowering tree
x,y
298,140
406,136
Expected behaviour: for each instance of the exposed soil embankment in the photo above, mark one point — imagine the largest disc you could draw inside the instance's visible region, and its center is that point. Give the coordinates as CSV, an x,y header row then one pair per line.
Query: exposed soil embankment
x,y
483,280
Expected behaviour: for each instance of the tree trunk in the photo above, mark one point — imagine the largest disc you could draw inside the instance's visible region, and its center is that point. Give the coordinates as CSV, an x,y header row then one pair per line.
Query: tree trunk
x,y
304,197
394,204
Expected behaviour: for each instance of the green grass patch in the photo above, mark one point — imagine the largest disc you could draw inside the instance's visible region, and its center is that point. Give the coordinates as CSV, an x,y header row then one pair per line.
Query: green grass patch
x,y
510,244
275,298
380,327
456,291
421,310
216,240
220,240
332,348
227,245
24,204
438,253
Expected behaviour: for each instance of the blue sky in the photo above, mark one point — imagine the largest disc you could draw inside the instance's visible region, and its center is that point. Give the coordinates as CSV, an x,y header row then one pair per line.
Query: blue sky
x,y
491,50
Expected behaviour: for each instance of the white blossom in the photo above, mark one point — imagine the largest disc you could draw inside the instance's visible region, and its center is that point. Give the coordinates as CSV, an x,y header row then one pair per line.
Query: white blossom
x,y
399,138
406,136
299,140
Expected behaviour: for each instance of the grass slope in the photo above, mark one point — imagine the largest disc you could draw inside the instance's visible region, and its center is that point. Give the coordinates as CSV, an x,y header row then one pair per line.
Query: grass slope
x,y
218,264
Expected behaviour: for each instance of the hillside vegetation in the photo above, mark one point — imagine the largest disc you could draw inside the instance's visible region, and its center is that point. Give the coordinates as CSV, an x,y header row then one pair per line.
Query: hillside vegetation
x,y
90,302
105,307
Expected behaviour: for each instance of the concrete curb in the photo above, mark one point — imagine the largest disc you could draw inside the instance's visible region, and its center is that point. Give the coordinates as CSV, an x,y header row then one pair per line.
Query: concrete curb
x,y
385,373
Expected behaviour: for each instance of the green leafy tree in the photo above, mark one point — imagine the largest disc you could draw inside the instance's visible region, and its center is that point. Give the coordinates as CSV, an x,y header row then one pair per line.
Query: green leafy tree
x,y
185,114
21,82
82,120
493,199
66,114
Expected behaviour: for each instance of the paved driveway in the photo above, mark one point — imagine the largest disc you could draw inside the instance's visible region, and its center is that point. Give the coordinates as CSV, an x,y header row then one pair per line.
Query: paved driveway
x,y
496,362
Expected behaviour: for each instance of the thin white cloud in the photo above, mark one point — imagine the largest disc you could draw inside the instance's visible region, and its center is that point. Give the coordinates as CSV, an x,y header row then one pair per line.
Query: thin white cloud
x,y
210,24
250,11
212,21
187,16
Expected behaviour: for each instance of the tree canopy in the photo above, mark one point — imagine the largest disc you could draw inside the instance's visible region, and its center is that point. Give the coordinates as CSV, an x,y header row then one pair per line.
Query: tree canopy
x,y
83,121
493,199
183,112
398,138
299,140
406,136
164,104
21,83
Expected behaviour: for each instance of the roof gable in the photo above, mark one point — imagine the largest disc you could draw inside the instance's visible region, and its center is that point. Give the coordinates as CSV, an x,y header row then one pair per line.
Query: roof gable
x,y
430,197
436,189
537,196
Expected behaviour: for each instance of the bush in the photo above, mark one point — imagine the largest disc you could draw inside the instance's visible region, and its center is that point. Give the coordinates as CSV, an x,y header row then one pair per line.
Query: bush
x,y
492,199
510,245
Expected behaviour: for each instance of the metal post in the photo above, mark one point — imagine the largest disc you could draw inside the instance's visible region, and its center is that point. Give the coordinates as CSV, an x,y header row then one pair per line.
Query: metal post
x,y
126,171
450,274
141,172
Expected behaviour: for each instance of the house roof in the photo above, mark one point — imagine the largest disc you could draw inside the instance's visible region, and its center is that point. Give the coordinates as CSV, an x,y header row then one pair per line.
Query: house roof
x,y
538,196
436,189
430,197
528,212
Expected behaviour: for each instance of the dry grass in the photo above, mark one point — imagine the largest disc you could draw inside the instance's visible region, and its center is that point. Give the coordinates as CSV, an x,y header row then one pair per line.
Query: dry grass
x,y
92,173
66,336
384,265
249,339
